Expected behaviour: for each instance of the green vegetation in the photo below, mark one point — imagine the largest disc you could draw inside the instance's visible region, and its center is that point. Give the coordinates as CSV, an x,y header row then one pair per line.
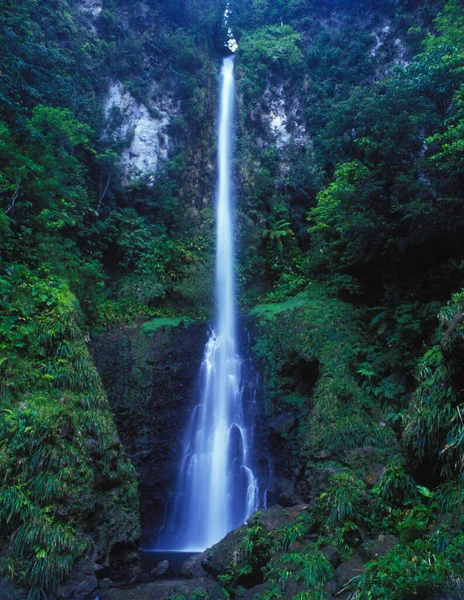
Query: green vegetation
x,y
63,472
349,247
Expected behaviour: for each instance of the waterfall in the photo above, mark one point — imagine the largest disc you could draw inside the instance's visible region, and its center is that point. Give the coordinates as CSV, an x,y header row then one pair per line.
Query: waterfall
x,y
217,489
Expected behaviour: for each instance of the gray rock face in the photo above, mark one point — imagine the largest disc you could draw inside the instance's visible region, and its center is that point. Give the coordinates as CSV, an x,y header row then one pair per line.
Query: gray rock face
x,y
94,7
283,117
143,128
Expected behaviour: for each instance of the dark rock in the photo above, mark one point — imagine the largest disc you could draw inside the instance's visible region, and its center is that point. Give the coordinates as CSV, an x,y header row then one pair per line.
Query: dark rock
x,y
331,588
372,549
372,477
192,567
348,569
105,584
275,517
283,422
294,512
289,497
366,452
315,480
216,559
162,570
10,591
256,591
93,444
333,555
150,382
81,584
189,589
295,547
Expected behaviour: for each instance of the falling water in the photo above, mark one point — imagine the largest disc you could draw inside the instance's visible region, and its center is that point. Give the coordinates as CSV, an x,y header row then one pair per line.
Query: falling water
x,y
218,490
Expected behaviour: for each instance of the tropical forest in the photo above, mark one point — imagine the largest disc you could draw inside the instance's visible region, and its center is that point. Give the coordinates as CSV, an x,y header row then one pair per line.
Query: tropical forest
x,y
231,299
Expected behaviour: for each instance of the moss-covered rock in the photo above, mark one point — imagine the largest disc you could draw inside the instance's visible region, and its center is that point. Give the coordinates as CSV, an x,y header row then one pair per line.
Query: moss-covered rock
x,y
150,375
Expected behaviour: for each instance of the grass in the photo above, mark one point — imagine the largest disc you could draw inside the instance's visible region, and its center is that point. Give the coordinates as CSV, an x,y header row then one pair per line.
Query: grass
x,y
151,327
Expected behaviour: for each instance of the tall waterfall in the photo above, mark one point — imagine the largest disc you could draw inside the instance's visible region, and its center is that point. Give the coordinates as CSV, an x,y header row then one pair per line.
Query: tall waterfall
x,y
218,490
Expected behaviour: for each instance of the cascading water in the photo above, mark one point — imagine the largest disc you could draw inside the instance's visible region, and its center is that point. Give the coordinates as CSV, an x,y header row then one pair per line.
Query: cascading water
x,y
218,490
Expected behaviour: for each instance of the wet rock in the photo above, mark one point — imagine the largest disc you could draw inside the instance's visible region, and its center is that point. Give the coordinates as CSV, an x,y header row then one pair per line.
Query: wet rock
x,y
192,567
150,383
216,559
372,549
162,570
332,555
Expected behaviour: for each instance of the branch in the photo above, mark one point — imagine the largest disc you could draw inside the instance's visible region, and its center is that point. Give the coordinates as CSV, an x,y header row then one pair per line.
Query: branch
x,y
103,194
13,202
458,317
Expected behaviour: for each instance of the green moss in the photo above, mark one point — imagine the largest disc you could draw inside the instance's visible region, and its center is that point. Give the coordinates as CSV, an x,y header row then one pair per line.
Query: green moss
x,y
151,327
270,310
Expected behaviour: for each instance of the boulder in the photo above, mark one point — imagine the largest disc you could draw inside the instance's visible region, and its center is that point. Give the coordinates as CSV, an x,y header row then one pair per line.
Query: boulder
x,y
332,555
192,567
275,517
81,584
372,549
216,559
105,584
162,570
348,569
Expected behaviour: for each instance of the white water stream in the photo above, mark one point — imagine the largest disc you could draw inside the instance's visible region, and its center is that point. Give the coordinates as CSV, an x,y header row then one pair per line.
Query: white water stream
x,y
218,490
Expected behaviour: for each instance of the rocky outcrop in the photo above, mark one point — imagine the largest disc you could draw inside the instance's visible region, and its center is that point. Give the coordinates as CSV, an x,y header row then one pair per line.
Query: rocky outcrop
x,y
226,552
93,7
151,384
142,128
192,568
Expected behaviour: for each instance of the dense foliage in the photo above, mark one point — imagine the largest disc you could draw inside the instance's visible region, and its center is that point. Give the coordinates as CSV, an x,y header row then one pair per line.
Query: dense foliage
x,y
350,173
